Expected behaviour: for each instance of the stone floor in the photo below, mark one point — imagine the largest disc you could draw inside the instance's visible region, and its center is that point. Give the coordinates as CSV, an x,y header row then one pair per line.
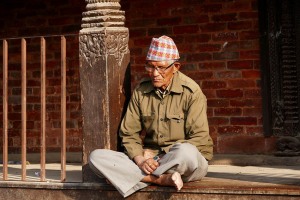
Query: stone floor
x,y
226,175
261,175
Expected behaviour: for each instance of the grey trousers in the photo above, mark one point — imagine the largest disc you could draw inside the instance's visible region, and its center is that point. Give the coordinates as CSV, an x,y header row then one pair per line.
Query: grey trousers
x,y
126,176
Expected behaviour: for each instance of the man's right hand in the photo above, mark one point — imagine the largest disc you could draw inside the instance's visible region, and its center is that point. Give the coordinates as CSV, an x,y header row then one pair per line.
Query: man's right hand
x,y
147,165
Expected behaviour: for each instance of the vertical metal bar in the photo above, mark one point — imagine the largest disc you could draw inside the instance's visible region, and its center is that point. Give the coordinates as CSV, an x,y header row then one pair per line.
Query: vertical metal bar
x,y
23,63
43,109
5,123
63,108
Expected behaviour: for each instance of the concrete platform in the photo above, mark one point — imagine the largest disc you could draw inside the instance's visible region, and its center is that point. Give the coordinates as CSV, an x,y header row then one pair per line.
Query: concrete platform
x,y
223,181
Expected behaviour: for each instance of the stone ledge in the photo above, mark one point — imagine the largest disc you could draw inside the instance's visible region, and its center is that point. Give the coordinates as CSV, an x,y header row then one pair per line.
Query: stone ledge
x,y
254,160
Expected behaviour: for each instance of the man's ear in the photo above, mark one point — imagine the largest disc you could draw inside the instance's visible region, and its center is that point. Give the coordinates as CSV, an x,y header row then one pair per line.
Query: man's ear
x,y
177,66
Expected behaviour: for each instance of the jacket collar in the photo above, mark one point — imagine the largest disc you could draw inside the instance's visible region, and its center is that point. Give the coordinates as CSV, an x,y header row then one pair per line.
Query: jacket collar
x,y
176,85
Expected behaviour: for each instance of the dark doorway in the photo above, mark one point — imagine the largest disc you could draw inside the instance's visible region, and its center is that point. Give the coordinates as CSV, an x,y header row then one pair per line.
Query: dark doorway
x,y
280,62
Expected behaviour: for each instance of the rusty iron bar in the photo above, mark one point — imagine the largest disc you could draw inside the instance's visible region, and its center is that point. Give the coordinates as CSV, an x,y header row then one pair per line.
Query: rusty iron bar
x,y
23,99
43,109
5,123
63,108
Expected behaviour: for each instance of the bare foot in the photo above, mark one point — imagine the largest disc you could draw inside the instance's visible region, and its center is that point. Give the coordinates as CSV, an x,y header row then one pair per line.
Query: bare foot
x,y
176,178
170,180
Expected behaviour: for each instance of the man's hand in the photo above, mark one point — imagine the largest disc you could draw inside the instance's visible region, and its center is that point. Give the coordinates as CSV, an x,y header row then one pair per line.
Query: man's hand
x,y
147,165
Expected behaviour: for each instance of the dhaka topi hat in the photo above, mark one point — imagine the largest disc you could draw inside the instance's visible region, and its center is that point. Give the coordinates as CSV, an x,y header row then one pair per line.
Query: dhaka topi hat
x,y
162,49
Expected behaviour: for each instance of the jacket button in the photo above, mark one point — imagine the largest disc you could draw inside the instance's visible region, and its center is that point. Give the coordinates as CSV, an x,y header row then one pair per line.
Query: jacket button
x,y
161,136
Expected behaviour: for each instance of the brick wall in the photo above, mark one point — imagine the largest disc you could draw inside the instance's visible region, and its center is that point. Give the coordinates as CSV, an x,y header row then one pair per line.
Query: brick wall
x,y
219,47
42,18
218,42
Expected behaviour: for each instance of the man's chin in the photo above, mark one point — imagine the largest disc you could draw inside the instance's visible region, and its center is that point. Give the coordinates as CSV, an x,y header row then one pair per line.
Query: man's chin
x,y
156,84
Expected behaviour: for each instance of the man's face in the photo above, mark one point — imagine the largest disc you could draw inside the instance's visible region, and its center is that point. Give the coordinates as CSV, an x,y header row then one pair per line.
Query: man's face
x,y
161,73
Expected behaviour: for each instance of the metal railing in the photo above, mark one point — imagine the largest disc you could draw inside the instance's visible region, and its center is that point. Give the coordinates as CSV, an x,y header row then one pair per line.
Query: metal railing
x,y
43,108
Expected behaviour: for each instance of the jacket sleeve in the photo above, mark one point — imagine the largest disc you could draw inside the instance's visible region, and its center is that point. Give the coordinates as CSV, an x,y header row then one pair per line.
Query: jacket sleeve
x,y
197,129
131,127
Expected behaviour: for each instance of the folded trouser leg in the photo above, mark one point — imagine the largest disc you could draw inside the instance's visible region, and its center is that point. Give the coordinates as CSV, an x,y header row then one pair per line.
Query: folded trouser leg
x,y
185,159
120,171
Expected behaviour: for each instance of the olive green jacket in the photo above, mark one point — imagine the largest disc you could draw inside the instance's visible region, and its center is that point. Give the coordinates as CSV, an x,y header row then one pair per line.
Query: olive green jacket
x,y
178,116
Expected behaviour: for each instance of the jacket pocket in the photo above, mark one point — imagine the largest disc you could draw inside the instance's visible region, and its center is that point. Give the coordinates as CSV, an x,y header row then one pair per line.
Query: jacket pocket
x,y
176,126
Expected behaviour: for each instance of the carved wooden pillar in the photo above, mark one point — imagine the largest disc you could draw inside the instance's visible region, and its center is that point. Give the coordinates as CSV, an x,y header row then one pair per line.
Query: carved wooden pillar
x,y
104,63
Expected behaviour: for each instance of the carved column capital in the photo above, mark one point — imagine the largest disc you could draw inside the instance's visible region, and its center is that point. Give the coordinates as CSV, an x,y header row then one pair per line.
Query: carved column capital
x,y
102,13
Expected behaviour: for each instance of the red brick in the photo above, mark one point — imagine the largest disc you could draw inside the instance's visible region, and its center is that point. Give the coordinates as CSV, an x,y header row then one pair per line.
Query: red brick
x,y
218,102
246,103
52,141
186,29
228,74
254,74
243,120
229,93
227,112
256,64
243,64
182,11
209,93
257,112
197,38
226,56
198,56
32,133
169,21
237,6
33,99
213,27
241,83
254,130
241,25
218,121
74,133
199,19
141,32
60,21
14,116
213,84
209,8
253,93
226,37
251,54
208,47
185,47
213,65
249,35
230,130
241,144
142,23
73,141
200,75
136,51
245,45
167,4
142,42
224,17
248,15
159,31
231,45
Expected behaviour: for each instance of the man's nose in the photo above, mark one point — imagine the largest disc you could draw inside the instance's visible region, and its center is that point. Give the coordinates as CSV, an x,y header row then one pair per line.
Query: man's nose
x,y
155,72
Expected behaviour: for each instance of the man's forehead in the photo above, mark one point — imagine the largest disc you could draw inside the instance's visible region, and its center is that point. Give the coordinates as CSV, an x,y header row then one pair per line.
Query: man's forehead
x,y
157,63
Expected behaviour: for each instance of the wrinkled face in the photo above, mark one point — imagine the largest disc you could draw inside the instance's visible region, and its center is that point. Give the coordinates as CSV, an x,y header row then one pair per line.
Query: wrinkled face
x,y
161,72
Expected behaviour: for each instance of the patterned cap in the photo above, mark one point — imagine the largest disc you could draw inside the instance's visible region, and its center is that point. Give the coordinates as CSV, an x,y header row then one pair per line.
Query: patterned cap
x,y
162,49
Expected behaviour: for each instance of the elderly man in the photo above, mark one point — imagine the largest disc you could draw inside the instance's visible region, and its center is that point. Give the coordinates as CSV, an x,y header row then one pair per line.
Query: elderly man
x,y
170,109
